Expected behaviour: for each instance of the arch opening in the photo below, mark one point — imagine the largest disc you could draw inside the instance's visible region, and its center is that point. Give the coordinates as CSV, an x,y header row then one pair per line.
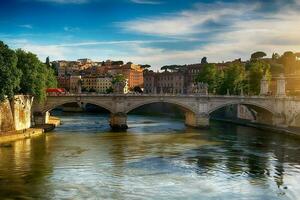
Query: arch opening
x,y
243,112
54,113
168,110
73,106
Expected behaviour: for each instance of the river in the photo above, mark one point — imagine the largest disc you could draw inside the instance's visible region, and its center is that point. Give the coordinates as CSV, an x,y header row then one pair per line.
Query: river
x,y
157,158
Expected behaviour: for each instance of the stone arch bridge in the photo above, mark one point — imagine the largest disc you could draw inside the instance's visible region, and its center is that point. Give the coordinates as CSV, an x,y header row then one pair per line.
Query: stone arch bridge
x,y
278,111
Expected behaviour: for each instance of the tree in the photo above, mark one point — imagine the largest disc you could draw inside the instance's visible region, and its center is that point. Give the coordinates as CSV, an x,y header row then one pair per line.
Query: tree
x,y
257,69
118,78
9,73
47,61
92,90
145,66
258,55
208,75
204,60
36,76
137,89
119,62
288,59
109,90
233,79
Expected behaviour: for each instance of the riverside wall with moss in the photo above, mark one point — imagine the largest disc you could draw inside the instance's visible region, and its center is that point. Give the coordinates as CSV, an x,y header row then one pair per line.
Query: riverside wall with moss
x,y
16,120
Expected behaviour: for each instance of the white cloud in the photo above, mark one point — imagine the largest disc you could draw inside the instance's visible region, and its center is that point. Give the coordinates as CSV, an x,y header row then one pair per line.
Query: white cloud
x,y
66,1
189,21
71,29
28,26
146,2
246,31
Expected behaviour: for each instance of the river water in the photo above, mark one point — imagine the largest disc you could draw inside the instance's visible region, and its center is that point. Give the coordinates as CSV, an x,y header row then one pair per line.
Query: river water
x,y
157,158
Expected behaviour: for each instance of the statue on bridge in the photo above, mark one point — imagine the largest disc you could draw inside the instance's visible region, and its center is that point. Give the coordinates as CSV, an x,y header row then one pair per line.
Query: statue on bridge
x,y
198,88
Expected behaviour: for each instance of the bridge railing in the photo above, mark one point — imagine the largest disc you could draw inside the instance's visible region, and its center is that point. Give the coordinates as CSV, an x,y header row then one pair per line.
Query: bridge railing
x,y
168,95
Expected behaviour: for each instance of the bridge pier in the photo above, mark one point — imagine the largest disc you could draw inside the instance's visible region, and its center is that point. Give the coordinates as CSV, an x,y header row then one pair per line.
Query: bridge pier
x,y
41,118
196,120
118,121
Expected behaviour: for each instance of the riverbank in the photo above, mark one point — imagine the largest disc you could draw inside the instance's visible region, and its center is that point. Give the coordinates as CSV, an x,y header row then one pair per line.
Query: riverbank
x,y
8,137
285,130
11,136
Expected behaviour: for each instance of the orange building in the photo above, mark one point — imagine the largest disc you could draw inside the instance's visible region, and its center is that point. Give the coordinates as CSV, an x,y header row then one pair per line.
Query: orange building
x,y
134,73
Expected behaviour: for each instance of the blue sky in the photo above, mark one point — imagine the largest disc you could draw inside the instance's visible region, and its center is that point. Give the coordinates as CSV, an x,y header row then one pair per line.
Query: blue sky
x,y
157,32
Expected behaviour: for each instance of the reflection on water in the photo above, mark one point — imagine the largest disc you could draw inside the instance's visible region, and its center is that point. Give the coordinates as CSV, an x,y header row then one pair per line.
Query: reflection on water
x,y
157,158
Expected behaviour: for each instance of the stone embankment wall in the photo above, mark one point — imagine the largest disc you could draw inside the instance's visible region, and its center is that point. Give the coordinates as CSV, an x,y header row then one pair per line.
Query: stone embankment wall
x,y
15,114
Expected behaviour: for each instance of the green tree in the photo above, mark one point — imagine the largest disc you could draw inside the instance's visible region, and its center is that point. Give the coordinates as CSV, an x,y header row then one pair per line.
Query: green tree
x,y
208,75
47,61
258,55
146,66
109,90
119,62
257,69
118,78
36,76
288,59
9,74
233,79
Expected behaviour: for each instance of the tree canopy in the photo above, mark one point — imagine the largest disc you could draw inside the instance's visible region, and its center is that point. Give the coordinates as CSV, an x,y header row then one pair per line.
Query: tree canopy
x,y
36,76
9,73
208,75
233,79
258,55
257,69
23,73
146,66
118,78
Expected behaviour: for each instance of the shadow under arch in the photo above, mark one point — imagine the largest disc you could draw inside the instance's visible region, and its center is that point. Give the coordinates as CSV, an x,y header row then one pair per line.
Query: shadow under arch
x,y
165,109
257,112
184,108
56,105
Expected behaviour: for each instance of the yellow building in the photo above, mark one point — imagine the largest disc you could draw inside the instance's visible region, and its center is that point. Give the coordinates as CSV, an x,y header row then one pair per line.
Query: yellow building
x,y
96,83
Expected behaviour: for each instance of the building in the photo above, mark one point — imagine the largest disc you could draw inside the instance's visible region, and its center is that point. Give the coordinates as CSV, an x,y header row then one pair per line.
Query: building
x,y
75,84
164,82
177,81
98,84
87,68
132,72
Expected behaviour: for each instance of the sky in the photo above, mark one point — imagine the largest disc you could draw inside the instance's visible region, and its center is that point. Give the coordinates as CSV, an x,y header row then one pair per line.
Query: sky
x,y
155,32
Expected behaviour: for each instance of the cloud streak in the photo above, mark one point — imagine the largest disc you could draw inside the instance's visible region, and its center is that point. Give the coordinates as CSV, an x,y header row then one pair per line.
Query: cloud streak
x,y
66,1
188,22
28,26
146,2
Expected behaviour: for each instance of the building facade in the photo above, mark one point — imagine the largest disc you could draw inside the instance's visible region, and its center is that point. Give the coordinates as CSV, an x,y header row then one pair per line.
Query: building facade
x,y
132,72
164,82
99,84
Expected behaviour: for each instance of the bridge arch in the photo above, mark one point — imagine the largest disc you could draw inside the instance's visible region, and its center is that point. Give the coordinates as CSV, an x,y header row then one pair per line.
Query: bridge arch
x,y
51,106
184,107
259,113
189,112
253,104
